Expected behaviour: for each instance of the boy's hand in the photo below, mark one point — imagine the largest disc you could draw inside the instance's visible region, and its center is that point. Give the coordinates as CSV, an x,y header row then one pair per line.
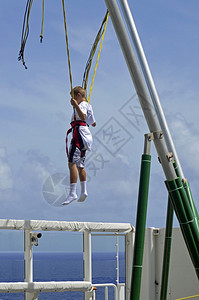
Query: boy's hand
x,y
74,102
94,124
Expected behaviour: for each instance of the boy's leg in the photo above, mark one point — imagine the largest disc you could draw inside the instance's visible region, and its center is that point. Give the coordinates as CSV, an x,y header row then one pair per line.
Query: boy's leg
x,y
73,184
82,177
82,174
73,172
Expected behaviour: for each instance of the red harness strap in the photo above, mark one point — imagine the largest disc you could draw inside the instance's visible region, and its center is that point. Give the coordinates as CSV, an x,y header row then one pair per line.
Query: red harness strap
x,y
74,126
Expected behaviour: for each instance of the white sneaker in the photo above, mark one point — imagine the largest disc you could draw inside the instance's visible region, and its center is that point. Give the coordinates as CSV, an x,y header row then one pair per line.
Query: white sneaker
x,y
70,199
82,197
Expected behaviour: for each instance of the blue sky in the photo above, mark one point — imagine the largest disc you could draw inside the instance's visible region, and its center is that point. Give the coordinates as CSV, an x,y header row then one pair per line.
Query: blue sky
x,y
35,110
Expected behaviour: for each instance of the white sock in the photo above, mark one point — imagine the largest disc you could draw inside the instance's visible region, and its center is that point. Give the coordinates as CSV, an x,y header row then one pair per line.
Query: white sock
x,y
83,187
73,187
84,193
72,194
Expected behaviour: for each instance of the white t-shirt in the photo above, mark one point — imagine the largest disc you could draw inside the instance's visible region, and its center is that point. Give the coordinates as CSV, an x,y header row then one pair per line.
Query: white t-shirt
x,y
84,131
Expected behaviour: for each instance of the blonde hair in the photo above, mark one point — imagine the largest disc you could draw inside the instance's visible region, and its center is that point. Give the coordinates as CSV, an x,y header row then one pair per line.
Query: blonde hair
x,y
79,89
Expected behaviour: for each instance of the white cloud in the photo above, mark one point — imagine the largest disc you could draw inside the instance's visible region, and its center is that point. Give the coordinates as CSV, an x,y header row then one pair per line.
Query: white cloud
x,y
35,168
124,159
186,138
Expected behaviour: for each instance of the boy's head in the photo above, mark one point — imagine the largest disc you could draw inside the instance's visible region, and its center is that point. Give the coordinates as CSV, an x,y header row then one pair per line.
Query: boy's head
x,y
78,90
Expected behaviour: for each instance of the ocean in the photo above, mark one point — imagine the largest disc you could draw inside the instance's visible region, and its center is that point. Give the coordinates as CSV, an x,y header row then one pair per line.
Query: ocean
x,y
61,267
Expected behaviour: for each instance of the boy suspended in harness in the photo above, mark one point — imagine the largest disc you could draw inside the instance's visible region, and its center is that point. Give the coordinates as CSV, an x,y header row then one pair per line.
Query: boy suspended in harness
x,y
81,141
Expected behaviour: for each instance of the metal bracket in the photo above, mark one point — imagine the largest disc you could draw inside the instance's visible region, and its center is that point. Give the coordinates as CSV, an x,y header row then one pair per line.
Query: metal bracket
x,y
34,238
150,137
170,156
156,231
158,135
147,142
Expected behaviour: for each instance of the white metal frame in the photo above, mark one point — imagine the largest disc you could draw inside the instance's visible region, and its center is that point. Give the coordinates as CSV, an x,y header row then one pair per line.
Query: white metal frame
x,y
149,110
149,80
31,288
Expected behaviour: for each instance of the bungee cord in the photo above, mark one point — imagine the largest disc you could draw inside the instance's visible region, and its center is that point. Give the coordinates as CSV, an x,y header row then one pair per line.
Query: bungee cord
x,y
25,31
42,23
99,36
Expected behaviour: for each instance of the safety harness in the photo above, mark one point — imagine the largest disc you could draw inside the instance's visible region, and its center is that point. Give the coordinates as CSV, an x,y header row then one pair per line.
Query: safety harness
x,y
76,139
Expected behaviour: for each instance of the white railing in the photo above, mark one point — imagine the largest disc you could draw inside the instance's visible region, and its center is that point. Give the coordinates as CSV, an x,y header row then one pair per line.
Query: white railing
x,y
106,286
31,288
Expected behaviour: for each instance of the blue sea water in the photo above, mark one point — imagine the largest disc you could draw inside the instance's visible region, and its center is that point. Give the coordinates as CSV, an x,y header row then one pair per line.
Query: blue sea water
x,y
61,267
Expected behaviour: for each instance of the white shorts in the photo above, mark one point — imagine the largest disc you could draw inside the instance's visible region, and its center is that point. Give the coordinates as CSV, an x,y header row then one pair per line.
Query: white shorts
x,y
86,137
76,156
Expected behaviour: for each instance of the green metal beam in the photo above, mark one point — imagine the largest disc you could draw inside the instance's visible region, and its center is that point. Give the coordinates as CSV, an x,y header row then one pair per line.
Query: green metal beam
x,y
191,201
186,219
167,251
140,227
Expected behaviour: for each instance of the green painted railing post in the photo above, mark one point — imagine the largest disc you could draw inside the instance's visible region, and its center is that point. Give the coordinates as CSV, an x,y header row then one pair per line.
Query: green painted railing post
x,y
186,219
167,251
167,245
140,224
191,201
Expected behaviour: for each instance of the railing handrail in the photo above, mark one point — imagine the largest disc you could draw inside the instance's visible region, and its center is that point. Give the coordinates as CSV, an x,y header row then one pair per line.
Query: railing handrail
x,y
45,225
46,286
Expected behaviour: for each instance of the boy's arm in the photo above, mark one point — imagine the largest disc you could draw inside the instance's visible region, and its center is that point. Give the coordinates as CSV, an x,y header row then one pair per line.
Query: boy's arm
x,y
78,110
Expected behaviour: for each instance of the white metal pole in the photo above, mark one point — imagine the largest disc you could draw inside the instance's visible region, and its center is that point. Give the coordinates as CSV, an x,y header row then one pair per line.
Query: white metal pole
x,y
106,293
28,262
144,98
158,235
150,262
129,246
117,260
149,80
107,285
87,257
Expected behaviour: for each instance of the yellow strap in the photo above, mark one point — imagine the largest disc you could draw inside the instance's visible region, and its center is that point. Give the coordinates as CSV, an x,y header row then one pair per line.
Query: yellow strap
x,y
98,58
69,65
188,297
92,53
42,23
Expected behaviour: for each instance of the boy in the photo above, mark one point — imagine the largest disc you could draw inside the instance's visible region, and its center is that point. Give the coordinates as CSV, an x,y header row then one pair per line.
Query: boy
x,y
81,141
